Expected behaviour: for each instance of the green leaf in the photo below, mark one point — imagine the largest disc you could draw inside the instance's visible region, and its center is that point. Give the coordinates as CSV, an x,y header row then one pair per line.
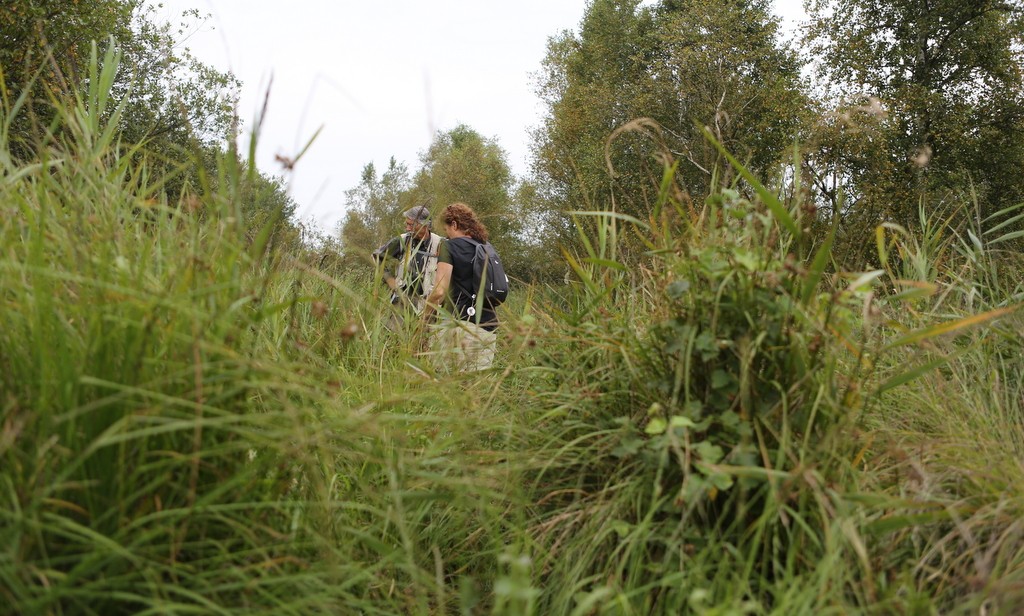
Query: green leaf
x,y
721,481
729,419
591,602
656,426
693,488
616,215
621,528
864,280
747,259
818,264
664,190
720,378
709,453
905,377
892,523
627,447
1007,237
681,421
1006,223
705,343
917,290
615,265
883,253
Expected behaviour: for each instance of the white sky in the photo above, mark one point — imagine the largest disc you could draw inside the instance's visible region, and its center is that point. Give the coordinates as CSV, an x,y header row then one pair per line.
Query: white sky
x,y
380,77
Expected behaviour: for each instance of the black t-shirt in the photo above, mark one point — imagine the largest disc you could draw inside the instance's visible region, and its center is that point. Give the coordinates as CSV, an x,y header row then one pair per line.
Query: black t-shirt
x,y
459,253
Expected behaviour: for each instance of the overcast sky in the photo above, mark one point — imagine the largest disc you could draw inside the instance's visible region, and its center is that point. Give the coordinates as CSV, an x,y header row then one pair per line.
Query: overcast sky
x,y
379,78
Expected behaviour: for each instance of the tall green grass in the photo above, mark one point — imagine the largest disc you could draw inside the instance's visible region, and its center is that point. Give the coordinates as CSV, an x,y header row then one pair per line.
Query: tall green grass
x,y
193,422
196,417
734,424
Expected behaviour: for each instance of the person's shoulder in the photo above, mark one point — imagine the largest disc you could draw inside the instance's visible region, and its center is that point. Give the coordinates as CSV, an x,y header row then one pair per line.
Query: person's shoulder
x,y
463,248
444,254
389,247
462,244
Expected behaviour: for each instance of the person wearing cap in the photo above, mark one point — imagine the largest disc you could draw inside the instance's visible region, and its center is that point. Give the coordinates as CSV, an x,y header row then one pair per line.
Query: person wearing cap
x,y
413,255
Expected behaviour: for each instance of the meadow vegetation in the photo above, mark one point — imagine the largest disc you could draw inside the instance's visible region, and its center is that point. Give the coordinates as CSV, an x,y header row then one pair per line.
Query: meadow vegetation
x,y
763,355
706,412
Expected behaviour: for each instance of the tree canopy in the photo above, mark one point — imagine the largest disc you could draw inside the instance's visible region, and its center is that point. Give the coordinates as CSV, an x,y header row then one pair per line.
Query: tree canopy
x,y
372,211
175,108
462,165
173,98
945,80
913,100
685,64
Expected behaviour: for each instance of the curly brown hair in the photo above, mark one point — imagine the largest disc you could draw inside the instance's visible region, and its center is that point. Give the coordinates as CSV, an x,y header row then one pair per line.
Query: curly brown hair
x,y
465,218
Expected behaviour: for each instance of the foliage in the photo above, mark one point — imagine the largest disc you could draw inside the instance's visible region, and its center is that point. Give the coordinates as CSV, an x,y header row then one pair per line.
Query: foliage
x,y
124,364
704,425
735,432
373,213
174,104
199,414
683,64
948,91
749,95
590,84
175,434
197,418
536,257
462,165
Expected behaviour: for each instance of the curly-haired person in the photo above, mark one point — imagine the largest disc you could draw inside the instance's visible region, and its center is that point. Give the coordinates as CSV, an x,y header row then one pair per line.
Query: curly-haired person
x,y
464,337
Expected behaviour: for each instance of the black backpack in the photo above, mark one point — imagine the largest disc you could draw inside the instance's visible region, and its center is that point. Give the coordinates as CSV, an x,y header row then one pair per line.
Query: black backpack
x,y
488,275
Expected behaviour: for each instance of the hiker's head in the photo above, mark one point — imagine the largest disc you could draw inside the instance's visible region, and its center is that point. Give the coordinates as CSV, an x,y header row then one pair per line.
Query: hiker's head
x,y
417,221
462,217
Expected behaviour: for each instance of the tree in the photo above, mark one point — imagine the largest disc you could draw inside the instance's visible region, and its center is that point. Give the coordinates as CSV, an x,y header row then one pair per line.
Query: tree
x,y
177,113
537,256
721,65
461,165
946,77
174,103
373,212
685,64
591,84
265,200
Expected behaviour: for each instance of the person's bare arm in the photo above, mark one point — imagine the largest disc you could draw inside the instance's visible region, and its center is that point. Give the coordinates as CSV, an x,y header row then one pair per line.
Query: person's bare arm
x,y
441,281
